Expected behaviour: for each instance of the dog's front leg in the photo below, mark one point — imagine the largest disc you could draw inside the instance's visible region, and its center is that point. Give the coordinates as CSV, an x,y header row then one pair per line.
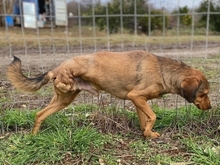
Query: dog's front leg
x,y
147,123
146,116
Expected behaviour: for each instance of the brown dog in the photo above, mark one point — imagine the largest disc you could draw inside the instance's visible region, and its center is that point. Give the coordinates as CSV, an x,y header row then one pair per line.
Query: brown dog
x,y
135,75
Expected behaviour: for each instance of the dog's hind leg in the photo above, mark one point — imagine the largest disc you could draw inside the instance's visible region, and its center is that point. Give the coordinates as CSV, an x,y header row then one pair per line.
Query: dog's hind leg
x,y
58,102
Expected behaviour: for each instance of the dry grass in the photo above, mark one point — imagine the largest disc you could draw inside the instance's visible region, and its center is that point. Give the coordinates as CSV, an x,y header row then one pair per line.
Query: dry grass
x,y
88,36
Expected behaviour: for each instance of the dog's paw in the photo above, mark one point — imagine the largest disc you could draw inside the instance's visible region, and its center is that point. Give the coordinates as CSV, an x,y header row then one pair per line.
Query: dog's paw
x,y
150,134
154,135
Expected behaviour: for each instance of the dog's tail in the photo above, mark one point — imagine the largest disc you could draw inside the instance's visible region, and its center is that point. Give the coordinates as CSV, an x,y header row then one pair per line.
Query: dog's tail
x,y
23,83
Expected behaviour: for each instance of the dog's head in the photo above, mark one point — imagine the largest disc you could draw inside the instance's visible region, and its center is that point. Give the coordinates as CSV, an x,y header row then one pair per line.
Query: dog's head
x,y
195,90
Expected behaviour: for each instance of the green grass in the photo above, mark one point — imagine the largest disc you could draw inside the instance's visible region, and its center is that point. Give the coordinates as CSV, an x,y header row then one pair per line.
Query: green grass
x,y
204,150
58,137
79,135
50,146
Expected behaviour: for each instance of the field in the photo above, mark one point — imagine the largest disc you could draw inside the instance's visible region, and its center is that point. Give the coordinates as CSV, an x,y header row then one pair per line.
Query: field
x,y
105,130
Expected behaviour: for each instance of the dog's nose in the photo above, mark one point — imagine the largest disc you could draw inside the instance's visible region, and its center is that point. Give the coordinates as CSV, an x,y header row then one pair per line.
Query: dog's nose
x,y
208,108
204,107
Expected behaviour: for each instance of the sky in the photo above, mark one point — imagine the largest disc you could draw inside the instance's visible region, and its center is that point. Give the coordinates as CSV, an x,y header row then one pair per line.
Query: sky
x,y
175,3
172,3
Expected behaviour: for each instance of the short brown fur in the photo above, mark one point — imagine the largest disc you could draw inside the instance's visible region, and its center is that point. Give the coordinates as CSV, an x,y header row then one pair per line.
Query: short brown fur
x,y
135,75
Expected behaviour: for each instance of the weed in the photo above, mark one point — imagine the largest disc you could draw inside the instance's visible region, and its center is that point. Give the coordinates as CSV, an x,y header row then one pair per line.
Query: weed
x,y
203,150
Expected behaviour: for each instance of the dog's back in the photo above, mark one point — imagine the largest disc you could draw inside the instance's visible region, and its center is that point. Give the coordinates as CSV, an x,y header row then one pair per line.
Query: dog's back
x,y
115,72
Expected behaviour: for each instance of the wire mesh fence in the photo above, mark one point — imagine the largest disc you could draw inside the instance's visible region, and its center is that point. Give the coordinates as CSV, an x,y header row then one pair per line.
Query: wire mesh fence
x,y
162,27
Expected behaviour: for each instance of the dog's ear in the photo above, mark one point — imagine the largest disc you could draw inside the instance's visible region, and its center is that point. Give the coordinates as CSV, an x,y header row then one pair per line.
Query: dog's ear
x,y
189,87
